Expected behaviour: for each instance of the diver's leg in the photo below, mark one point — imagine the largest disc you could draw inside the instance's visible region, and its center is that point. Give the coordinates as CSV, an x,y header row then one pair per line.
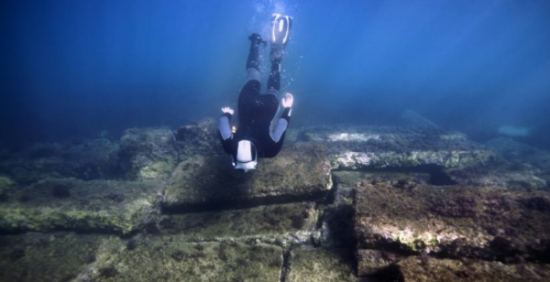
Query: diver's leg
x,y
274,80
280,31
251,89
253,60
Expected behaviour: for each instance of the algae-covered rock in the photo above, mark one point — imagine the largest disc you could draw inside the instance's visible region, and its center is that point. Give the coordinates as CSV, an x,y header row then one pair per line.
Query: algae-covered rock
x,y
198,138
71,204
87,159
520,153
453,221
299,172
412,159
316,264
370,261
6,184
283,223
64,256
397,147
519,165
336,221
502,174
46,256
431,269
147,153
169,258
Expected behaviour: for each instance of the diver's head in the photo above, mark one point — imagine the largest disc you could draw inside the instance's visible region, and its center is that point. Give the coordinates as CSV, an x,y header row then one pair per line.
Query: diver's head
x,y
246,157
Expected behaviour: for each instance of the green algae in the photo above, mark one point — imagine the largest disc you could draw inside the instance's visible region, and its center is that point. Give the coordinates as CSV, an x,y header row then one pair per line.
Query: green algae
x,y
108,206
46,256
298,172
274,223
171,258
316,264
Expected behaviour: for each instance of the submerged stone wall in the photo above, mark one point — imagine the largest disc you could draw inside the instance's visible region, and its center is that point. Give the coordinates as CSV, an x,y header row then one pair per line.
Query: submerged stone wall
x,y
409,203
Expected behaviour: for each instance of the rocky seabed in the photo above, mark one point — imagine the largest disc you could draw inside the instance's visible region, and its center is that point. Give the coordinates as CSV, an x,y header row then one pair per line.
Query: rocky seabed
x,y
339,203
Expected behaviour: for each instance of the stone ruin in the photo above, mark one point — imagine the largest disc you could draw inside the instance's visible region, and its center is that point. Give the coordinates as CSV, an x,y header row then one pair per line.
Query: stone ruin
x,y
340,203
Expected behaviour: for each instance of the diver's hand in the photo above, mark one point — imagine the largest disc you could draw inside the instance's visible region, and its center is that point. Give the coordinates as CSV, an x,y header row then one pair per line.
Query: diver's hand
x,y
287,101
228,110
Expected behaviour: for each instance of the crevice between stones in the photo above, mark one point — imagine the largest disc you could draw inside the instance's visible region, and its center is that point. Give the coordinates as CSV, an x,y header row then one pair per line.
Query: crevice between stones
x,y
438,175
90,231
225,204
389,273
497,250
285,268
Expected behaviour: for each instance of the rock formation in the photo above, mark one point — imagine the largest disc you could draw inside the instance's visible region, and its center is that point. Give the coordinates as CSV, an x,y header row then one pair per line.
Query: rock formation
x,y
340,203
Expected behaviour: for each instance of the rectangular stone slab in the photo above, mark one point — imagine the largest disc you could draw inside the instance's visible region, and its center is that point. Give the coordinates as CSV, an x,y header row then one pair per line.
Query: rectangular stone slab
x,y
272,223
316,264
411,159
398,147
426,269
170,258
58,256
386,138
89,159
453,221
299,172
71,204
370,262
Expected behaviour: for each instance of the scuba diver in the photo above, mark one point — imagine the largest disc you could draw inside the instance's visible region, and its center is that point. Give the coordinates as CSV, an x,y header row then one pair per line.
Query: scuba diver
x,y
262,120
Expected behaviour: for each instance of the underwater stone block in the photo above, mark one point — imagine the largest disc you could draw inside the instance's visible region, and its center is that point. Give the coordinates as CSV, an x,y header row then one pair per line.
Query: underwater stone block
x,y
412,159
453,221
424,268
300,172
336,224
198,138
5,182
71,204
396,147
516,165
371,261
170,258
520,153
502,174
316,264
89,159
147,153
519,164
282,224
58,256
384,138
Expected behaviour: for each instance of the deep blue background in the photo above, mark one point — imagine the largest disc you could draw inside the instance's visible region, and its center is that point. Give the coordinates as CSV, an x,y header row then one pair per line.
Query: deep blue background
x,y
71,69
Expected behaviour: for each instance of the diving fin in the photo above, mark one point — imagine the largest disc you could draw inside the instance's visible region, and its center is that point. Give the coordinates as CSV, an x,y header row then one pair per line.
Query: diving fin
x,y
280,29
280,34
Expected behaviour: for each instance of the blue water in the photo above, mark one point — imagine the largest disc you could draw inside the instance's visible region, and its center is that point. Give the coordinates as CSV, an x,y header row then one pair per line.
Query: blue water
x,y
72,69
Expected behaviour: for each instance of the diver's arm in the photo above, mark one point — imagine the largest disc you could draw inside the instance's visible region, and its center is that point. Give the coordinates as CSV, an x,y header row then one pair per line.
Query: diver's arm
x,y
224,128
282,118
279,129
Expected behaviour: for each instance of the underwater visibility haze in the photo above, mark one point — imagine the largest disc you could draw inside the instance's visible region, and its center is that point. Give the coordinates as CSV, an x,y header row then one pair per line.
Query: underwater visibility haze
x,y
416,142
76,68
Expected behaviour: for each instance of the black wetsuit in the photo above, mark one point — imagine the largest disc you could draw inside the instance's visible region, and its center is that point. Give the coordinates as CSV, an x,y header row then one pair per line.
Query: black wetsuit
x,y
257,112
